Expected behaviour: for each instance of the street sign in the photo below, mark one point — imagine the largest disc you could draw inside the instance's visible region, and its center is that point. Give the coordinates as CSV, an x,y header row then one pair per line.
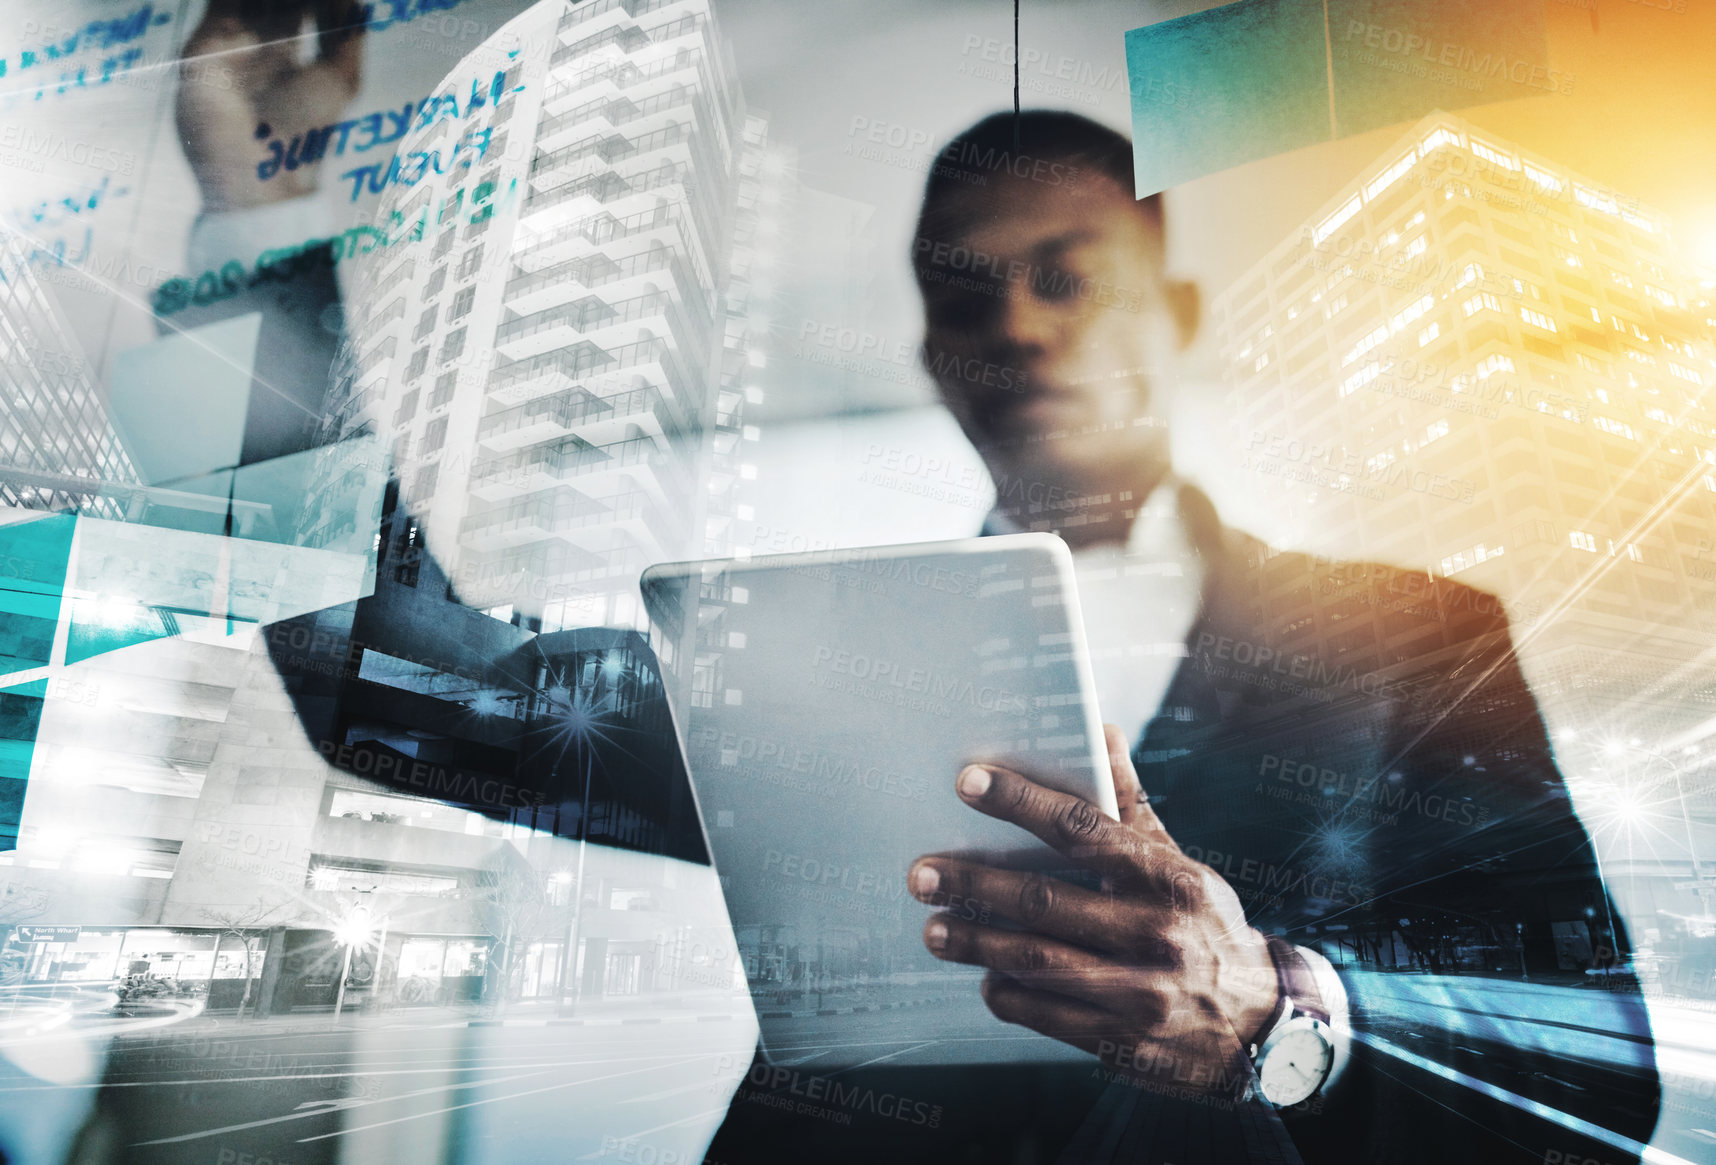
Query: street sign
x,y
48,934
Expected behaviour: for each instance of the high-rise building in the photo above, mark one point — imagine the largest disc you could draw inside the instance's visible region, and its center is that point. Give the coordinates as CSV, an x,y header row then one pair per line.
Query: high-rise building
x,y
57,447
1472,342
553,318
549,353
1477,363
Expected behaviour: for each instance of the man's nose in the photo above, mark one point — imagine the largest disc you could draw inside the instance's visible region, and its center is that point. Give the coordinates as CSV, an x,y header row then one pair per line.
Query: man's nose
x,y
1025,324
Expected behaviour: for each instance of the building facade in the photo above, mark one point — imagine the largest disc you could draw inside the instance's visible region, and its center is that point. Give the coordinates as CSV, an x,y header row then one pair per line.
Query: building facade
x,y
1478,364
552,368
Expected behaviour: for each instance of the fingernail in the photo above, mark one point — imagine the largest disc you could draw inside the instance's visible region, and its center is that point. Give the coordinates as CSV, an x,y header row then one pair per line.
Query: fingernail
x,y
935,934
974,781
924,880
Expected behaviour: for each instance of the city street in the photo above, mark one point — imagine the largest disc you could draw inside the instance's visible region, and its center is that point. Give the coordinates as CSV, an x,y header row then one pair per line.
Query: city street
x,y
650,1084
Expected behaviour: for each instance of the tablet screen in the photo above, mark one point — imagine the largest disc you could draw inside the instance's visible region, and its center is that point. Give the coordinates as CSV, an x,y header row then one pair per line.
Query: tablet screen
x,y
831,700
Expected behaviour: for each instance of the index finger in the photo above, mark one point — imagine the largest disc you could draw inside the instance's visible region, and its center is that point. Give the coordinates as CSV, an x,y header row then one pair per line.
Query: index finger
x,y
1070,824
1129,794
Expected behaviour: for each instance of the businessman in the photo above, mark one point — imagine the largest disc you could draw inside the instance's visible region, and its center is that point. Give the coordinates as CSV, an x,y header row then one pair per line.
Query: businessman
x,y
1283,783
1316,763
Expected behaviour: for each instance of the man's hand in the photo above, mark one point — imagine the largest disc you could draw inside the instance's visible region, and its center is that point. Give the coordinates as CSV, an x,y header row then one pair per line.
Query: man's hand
x,y
258,42
1158,974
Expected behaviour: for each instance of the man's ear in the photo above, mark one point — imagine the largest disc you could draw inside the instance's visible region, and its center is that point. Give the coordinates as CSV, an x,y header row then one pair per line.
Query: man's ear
x,y
1186,304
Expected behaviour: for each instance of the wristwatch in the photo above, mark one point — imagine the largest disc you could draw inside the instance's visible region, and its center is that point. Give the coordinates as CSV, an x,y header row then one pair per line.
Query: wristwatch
x,y
1297,1054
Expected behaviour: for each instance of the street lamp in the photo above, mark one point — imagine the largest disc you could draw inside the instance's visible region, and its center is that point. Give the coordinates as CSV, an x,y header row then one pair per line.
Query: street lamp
x,y
352,931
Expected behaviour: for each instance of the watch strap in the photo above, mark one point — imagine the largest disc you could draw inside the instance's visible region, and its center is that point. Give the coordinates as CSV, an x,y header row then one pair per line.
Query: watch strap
x,y
1297,980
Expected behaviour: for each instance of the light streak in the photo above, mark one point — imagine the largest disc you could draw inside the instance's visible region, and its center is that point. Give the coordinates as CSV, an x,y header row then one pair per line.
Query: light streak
x,y
1525,1103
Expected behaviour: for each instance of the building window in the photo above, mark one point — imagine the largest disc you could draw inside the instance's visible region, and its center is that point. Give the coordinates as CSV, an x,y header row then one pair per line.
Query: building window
x,y
407,408
1410,313
1360,378
436,282
1537,319
1468,558
426,322
419,363
445,242
423,485
454,346
1483,301
1612,426
1492,364
434,437
1365,344
349,880
1491,154
444,385
469,262
1582,541
462,304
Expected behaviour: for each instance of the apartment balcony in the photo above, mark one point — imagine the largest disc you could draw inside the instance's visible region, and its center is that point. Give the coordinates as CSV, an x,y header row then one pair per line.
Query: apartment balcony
x,y
596,419
592,524
591,320
592,149
563,281
545,209
642,462
568,88
549,372
556,242
602,116
589,154
620,34
545,331
548,207
577,84
580,21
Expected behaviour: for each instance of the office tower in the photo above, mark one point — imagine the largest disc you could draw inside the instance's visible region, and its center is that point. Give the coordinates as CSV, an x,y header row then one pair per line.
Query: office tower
x,y
1479,364
1473,341
547,350
57,447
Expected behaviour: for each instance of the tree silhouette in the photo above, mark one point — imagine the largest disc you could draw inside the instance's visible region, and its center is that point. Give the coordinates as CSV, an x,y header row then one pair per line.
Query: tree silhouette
x,y
243,923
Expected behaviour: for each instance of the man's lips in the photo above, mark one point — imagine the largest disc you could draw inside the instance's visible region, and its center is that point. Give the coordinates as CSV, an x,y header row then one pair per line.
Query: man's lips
x,y
1045,400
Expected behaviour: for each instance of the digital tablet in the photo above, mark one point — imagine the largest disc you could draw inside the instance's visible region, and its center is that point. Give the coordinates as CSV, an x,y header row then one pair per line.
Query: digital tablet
x,y
827,701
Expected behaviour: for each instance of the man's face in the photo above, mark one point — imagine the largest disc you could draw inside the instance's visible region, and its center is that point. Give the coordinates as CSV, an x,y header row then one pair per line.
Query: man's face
x,y
1046,321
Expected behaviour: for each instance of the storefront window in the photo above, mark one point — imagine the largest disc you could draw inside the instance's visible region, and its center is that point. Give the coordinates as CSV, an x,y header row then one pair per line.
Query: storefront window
x,y
168,954
91,957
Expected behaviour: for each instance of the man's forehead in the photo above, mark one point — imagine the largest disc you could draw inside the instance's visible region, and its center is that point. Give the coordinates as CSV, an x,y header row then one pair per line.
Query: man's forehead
x,y
1017,215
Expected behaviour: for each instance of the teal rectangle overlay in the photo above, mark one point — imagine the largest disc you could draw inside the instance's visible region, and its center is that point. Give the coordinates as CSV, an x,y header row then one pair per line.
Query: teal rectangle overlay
x,y
1220,88
1394,61
1251,80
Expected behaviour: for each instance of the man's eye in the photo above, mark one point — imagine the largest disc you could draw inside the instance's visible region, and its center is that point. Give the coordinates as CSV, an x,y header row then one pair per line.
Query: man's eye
x,y
1054,285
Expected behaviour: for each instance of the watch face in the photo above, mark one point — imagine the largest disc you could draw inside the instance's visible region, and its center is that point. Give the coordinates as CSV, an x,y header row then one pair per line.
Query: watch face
x,y
1294,1065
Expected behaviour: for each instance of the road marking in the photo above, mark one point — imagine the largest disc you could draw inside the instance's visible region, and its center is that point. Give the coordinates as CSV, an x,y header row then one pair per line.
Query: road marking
x,y
485,1100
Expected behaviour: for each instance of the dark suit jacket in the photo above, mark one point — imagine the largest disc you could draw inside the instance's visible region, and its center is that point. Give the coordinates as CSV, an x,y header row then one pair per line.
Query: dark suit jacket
x,y
1355,749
